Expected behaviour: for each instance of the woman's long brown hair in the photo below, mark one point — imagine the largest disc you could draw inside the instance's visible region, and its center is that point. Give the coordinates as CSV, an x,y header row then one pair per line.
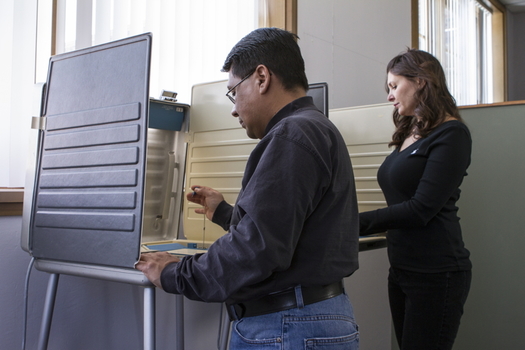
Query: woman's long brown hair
x,y
434,101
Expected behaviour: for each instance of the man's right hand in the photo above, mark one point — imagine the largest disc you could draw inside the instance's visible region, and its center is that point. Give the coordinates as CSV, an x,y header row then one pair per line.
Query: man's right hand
x,y
207,197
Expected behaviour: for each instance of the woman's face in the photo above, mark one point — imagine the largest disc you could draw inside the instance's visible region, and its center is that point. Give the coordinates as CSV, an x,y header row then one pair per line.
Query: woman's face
x,y
401,92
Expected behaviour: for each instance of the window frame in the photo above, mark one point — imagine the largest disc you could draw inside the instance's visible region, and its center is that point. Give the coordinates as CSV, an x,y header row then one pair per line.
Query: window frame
x,y
499,47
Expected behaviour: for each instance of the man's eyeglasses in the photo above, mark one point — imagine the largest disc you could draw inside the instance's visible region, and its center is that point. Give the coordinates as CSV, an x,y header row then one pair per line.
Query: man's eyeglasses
x,y
230,93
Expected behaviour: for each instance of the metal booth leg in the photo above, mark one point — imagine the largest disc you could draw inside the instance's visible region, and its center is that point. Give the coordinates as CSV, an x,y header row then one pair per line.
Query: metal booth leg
x,y
225,329
47,316
179,322
149,318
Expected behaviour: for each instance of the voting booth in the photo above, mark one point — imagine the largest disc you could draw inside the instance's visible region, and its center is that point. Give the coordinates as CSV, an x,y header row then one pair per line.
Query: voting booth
x,y
106,177
110,167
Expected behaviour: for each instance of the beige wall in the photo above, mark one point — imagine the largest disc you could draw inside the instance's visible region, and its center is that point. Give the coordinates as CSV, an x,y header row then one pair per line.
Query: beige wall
x,y
349,43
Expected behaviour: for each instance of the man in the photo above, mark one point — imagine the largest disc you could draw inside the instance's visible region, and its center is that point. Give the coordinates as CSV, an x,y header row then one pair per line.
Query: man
x,y
293,233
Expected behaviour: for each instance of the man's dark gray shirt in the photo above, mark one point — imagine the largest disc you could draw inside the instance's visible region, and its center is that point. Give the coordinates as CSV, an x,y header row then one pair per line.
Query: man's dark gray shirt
x,y
295,221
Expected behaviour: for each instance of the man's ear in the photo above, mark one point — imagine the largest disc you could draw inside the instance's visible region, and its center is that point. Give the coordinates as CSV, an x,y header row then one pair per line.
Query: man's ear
x,y
263,78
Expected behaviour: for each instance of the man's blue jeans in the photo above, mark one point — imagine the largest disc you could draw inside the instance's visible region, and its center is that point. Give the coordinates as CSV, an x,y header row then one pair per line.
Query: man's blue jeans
x,y
328,324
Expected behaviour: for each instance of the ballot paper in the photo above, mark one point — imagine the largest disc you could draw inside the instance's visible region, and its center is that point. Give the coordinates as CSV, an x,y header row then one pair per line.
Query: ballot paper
x,y
172,248
187,251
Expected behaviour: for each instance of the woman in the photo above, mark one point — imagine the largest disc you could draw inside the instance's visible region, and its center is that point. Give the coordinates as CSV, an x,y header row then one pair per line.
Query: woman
x,y
430,270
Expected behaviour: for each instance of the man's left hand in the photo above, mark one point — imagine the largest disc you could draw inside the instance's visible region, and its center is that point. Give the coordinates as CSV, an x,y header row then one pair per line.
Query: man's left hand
x,y
152,264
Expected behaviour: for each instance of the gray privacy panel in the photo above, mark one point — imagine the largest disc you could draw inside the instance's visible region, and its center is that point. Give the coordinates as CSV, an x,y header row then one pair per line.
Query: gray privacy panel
x,y
492,221
88,202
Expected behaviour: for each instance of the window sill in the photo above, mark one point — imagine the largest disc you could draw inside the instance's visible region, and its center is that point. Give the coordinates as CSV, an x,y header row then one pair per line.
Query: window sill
x,y
507,103
11,201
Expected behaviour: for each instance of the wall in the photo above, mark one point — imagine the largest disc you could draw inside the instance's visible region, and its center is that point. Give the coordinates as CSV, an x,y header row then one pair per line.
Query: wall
x,y
516,53
349,43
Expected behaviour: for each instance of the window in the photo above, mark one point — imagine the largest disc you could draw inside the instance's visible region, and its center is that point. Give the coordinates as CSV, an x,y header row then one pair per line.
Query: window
x,y
191,38
462,35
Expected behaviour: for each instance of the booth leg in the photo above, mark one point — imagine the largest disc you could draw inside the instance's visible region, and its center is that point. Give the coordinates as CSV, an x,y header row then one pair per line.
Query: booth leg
x,y
225,330
179,322
47,316
149,318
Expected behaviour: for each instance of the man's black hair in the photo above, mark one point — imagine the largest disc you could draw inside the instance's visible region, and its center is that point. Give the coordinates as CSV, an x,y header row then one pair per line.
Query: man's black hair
x,y
275,48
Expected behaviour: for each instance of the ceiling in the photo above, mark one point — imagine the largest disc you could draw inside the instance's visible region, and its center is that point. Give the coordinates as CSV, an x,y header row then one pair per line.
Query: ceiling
x,y
514,5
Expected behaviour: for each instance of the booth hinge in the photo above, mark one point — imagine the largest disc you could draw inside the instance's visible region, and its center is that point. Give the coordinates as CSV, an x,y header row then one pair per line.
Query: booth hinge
x,y
38,123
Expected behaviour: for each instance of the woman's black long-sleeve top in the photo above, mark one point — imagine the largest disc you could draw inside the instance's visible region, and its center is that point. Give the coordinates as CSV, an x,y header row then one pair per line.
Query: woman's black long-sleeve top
x,y
421,187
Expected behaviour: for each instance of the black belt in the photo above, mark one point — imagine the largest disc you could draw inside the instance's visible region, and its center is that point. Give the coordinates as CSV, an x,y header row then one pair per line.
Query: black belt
x,y
283,301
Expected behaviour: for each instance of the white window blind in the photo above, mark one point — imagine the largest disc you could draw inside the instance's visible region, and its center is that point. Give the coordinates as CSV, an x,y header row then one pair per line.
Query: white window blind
x,y
458,33
191,38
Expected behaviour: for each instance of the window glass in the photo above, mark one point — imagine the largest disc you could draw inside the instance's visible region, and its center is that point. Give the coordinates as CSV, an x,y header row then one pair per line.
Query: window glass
x,y
191,38
459,34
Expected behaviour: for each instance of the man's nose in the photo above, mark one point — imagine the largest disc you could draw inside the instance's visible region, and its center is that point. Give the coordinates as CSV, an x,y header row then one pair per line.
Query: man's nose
x,y
234,111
